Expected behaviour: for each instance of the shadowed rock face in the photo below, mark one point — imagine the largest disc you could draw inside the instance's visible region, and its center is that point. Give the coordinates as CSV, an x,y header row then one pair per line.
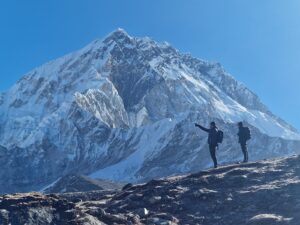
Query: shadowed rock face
x,y
264,193
79,183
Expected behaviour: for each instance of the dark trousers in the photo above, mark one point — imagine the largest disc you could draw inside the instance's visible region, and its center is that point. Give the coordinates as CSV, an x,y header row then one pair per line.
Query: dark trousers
x,y
245,151
212,150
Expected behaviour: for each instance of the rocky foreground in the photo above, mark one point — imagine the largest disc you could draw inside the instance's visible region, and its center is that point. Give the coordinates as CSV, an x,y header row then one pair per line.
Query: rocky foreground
x,y
266,192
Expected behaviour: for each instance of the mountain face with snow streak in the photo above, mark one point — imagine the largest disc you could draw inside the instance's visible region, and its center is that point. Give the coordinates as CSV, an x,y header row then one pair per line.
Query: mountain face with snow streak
x,y
124,109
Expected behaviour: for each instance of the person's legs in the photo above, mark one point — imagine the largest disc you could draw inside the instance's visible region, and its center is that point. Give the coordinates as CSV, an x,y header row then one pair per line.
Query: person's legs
x,y
212,150
245,151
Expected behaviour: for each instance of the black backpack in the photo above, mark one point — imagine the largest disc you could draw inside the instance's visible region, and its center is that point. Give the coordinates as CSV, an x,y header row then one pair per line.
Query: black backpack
x,y
220,136
247,133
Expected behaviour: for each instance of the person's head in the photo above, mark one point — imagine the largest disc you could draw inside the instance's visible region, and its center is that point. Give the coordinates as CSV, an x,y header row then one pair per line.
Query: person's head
x,y
240,124
212,125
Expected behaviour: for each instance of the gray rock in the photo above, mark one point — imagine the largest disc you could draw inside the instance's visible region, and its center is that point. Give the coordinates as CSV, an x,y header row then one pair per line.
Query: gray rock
x,y
142,212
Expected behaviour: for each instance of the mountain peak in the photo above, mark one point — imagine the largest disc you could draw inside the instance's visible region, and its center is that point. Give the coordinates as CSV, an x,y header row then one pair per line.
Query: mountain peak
x,y
117,35
115,110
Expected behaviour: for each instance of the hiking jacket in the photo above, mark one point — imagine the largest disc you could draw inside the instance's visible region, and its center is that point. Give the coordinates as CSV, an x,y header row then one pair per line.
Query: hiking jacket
x,y
242,135
212,134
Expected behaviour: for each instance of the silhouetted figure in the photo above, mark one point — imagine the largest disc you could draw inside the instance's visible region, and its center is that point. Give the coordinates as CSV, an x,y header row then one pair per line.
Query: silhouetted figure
x,y
213,140
244,135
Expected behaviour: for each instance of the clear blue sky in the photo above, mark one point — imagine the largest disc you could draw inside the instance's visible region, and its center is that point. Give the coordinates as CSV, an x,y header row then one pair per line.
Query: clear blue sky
x,y
257,41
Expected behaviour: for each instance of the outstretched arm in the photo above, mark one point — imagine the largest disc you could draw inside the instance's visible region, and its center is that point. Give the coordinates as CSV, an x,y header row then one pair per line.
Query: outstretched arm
x,y
202,128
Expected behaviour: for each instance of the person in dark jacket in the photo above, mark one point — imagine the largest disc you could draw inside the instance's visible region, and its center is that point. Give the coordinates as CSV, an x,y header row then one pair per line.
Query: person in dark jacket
x,y
212,140
244,136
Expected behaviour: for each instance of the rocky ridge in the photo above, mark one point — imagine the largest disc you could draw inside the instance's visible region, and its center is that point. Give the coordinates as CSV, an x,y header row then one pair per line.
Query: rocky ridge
x,y
264,193
80,183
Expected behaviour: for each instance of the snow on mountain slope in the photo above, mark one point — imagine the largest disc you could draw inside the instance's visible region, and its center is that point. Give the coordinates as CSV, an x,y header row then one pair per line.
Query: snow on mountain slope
x,y
123,108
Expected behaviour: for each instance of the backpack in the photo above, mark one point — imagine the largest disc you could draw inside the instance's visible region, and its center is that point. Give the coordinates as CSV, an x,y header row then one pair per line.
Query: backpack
x,y
220,136
247,133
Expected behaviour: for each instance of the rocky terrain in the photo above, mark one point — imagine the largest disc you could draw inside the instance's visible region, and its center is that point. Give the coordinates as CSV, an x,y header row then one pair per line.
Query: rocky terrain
x,y
258,193
79,183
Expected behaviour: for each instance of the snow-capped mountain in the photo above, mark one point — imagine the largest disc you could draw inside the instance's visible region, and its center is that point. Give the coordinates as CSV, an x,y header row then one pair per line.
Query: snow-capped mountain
x,y
123,108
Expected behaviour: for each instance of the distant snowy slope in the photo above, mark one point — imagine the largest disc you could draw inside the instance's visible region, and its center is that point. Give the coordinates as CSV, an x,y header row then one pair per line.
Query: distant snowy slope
x,y
123,108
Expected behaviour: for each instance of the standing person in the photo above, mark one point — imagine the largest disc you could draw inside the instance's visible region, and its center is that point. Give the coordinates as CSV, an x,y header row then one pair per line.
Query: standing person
x,y
244,136
213,140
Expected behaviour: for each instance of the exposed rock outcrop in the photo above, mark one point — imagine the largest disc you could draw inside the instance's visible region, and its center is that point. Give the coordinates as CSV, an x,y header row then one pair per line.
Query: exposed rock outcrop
x,y
79,183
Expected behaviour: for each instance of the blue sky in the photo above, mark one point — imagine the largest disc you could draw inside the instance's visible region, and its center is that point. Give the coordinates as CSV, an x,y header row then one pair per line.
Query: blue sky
x,y
257,41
